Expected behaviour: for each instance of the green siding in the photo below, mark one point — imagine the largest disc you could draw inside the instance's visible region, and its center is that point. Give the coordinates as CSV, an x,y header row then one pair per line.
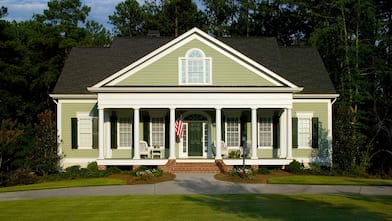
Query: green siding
x,y
122,154
319,110
69,110
164,72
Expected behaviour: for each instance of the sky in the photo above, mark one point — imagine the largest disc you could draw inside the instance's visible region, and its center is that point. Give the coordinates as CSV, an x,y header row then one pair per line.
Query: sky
x,y
20,10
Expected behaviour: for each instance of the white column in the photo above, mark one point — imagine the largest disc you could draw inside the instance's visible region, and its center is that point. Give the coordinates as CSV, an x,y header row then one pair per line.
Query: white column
x,y
289,135
283,134
254,133
107,137
172,135
218,123
136,120
101,133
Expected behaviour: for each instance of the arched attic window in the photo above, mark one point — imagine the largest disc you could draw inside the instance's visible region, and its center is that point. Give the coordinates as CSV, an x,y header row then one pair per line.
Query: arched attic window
x,y
195,68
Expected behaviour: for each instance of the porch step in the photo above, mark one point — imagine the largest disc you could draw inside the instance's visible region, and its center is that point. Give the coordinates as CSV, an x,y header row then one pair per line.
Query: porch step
x,y
194,168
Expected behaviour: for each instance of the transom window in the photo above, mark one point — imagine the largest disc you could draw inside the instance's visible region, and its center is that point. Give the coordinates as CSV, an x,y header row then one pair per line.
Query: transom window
x,y
233,132
265,132
195,68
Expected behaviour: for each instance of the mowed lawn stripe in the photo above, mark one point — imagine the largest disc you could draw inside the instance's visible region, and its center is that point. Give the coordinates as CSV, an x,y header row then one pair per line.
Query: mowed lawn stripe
x,y
202,207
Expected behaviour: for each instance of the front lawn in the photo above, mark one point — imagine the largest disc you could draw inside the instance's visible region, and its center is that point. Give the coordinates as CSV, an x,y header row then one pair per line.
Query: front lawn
x,y
202,207
65,184
329,180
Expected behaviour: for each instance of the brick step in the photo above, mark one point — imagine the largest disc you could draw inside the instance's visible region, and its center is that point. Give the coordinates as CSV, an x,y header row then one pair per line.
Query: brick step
x,y
194,168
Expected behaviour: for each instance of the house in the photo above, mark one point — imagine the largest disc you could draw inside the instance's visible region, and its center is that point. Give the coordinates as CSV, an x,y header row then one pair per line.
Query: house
x,y
194,99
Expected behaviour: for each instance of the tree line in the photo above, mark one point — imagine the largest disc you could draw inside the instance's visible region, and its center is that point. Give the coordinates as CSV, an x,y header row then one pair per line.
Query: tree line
x,y
353,37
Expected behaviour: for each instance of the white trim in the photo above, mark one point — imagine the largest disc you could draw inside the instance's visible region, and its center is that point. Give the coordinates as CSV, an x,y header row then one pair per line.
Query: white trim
x,y
130,162
194,34
330,96
59,130
329,135
77,101
195,100
183,89
311,100
261,162
73,96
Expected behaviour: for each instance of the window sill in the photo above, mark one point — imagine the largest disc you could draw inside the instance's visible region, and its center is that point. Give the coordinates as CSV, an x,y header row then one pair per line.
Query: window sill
x,y
304,148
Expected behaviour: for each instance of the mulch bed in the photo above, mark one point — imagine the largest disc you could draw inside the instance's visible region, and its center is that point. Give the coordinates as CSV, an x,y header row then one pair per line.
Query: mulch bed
x,y
257,178
133,180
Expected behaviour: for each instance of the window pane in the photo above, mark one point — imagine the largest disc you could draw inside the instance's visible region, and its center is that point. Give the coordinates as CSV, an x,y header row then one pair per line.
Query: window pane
x,y
184,127
125,132
195,71
195,54
158,132
304,132
232,132
85,132
265,132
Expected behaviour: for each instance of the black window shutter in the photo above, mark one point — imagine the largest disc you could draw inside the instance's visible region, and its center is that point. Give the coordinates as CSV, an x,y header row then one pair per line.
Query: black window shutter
x,y
295,132
315,126
95,132
146,129
113,131
275,132
74,133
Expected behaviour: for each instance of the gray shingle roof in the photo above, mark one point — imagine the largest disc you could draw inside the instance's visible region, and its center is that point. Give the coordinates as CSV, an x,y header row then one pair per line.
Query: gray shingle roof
x,y
87,66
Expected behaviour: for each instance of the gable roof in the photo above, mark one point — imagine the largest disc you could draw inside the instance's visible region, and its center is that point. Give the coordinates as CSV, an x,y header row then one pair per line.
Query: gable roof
x,y
86,67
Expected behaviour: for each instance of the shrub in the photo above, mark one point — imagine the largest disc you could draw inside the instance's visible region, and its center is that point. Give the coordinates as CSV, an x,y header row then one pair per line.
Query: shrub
x,y
263,170
294,167
144,171
93,167
18,177
241,172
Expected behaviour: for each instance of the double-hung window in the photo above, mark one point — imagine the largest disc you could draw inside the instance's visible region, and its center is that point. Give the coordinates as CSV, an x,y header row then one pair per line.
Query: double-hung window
x,y
158,131
304,129
125,132
84,131
233,131
195,68
265,132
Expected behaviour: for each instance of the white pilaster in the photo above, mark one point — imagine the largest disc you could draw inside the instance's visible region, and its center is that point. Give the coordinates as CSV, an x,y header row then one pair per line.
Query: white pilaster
x,y
218,117
330,132
289,134
254,133
283,134
101,140
172,134
136,120
107,137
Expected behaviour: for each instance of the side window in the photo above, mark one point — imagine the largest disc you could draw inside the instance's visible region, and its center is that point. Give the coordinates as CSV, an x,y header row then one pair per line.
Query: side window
x,y
195,68
304,130
84,130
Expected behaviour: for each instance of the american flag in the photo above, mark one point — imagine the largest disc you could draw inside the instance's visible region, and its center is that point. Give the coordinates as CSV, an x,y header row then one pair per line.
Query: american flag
x,y
179,128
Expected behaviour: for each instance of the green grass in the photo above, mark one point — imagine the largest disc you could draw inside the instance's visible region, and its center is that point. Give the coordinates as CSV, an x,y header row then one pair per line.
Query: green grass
x,y
329,180
202,207
65,184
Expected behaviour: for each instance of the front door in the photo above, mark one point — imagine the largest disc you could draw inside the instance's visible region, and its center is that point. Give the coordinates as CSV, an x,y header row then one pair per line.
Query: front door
x,y
195,139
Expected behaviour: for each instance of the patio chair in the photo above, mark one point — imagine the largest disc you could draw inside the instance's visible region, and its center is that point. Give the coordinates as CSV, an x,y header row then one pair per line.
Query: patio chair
x,y
144,149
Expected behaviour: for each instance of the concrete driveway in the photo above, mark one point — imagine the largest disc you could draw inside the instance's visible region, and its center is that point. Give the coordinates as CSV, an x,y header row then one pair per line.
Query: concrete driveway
x,y
196,184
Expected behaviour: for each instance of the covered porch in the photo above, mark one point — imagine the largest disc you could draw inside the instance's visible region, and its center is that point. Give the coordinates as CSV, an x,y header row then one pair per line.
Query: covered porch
x,y
135,131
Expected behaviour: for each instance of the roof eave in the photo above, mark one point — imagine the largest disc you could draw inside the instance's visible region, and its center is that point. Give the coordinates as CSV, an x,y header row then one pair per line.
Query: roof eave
x,y
73,96
194,89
